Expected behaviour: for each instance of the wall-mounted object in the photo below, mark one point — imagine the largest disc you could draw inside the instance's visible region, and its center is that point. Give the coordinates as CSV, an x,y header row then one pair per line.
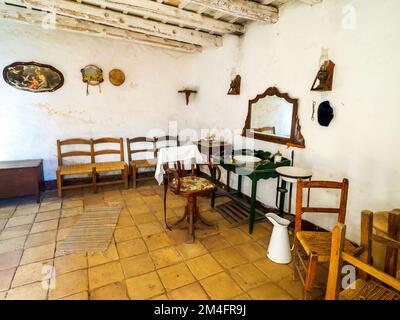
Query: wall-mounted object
x,y
234,89
325,114
92,76
324,77
117,77
187,93
272,116
33,77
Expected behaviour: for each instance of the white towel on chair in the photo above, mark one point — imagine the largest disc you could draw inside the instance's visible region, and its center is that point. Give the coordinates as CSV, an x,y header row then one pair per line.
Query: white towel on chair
x,y
187,155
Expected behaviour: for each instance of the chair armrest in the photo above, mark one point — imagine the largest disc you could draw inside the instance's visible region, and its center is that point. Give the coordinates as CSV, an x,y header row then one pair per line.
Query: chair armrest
x,y
173,172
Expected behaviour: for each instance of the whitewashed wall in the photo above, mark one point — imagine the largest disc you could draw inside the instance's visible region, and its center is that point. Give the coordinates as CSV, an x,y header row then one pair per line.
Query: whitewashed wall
x,y
362,142
30,123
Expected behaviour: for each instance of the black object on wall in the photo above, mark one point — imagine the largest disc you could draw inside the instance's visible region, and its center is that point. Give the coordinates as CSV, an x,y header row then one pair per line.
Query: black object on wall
x,y
325,114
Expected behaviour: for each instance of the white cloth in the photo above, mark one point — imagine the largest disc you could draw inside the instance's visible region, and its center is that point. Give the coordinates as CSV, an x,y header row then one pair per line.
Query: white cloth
x,y
187,155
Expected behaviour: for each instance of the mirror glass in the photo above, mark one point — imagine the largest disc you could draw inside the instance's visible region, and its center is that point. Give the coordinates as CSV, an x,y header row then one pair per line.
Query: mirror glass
x,y
272,115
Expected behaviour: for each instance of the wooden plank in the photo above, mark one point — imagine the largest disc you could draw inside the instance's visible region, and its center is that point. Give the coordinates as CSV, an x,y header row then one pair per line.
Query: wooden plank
x,y
169,14
27,16
242,9
120,20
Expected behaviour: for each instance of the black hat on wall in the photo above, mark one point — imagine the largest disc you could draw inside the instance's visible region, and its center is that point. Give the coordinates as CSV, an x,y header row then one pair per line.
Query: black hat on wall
x,y
325,114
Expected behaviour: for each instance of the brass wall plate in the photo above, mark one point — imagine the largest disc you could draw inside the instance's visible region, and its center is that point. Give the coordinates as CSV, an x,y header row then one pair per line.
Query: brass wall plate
x,y
117,77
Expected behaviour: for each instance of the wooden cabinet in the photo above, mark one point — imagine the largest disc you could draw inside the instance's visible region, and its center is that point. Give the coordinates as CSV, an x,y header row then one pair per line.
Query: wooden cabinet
x,y
21,178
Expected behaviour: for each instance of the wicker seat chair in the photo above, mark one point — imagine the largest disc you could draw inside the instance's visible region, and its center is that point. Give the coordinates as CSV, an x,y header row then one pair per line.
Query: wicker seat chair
x,y
371,284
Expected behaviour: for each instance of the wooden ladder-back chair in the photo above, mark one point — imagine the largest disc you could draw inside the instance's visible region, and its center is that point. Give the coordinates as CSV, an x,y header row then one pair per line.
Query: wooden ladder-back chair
x,y
166,141
372,283
315,245
146,163
110,166
189,186
79,168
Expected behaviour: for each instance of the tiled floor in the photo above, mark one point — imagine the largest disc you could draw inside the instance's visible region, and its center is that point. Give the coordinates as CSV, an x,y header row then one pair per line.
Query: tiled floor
x,y
144,260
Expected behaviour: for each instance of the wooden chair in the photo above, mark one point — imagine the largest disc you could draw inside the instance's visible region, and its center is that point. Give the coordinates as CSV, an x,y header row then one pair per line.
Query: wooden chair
x,y
109,166
136,164
315,245
80,168
189,186
372,284
166,141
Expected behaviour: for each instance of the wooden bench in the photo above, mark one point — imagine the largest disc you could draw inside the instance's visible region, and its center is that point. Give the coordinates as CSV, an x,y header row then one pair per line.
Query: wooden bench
x,y
147,149
89,166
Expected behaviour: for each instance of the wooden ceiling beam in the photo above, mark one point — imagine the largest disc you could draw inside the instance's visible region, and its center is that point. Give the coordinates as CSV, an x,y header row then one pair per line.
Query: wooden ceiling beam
x,y
27,16
122,21
169,14
242,9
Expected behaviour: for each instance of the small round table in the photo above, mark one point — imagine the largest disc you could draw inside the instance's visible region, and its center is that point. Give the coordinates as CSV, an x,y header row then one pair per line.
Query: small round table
x,y
290,175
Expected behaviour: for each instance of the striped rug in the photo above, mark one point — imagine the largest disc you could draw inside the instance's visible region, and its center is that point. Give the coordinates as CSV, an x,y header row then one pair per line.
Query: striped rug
x,y
93,231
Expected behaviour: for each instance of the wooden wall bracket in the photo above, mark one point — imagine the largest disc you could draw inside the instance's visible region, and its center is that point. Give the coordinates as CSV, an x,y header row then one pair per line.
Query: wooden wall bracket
x,y
234,89
325,77
187,93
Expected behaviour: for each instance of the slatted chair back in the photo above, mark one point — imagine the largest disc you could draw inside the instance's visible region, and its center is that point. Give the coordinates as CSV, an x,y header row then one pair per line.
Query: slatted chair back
x,y
165,142
119,151
74,153
341,210
141,145
362,263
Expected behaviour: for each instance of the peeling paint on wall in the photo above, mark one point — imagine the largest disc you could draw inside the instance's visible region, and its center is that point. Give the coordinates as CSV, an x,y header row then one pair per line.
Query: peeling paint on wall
x,y
68,114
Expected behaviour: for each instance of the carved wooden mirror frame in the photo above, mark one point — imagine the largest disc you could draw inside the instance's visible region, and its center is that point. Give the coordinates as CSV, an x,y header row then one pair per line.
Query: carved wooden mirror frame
x,y
296,138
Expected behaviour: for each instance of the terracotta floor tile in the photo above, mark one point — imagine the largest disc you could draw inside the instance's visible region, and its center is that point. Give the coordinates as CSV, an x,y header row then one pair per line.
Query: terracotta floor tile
x,y
229,257
138,209
157,241
137,200
272,270
131,248
159,214
175,203
190,292
96,258
220,286
69,283
126,233
15,232
44,226
191,250
160,297
144,286
39,239
71,212
113,291
6,277
12,244
204,266
243,296
39,253
165,257
144,218
252,251
269,291
6,213
10,259
50,206
235,236
26,211
32,272
32,291
20,220
49,215
70,262
84,295
294,288
68,222
175,276
215,243
247,276
104,274
148,229
125,220
62,234
152,199
137,265
3,223
72,203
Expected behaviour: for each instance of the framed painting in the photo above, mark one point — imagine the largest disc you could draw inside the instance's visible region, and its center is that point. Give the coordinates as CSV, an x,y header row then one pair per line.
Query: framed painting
x,y
33,77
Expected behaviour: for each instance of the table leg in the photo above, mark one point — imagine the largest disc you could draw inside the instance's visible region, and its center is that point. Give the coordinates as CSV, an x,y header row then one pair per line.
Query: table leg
x,y
228,181
290,197
213,177
253,205
239,189
282,199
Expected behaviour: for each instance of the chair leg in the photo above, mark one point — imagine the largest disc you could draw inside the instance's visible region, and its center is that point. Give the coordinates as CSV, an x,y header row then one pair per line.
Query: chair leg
x,y
310,277
59,184
126,175
134,175
295,263
94,180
